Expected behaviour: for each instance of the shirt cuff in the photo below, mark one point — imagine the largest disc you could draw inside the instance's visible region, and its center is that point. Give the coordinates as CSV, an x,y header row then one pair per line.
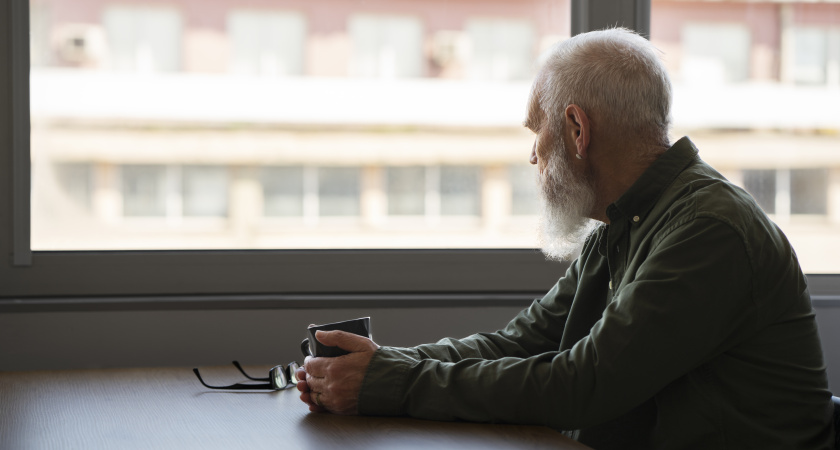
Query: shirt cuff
x,y
384,384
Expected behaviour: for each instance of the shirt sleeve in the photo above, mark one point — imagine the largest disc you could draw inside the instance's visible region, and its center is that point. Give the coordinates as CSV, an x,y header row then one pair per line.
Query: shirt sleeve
x,y
686,304
536,329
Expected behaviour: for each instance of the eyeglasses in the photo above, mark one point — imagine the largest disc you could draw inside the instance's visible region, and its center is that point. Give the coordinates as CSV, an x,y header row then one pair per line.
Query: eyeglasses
x,y
279,377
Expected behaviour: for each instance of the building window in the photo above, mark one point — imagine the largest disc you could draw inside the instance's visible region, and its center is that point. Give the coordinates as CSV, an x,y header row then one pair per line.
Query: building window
x,y
204,191
460,191
338,191
523,190
144,190
761,184
789,191
406,190
816,57
386,46
143,38
809,191
267,43
282,191
501,49
715,53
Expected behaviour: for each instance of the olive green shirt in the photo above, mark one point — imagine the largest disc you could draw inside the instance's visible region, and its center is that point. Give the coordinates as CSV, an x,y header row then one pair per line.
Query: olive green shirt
x,y
685,323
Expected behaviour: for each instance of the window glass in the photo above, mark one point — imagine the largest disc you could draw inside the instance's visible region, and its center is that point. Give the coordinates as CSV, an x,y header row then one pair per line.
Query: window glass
x,y
811,54
267,42
460,188
761,184
715,52
139,38
282,189
271,125
809,191
144,189
386,46
338,191
501,49
739,69
406,189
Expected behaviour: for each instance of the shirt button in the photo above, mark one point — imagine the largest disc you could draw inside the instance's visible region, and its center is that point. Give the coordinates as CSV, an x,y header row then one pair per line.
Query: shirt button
x,y
617,249
636,219
610,284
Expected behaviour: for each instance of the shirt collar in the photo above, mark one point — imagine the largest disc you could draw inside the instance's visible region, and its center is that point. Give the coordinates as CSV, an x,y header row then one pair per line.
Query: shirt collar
x,y
637,201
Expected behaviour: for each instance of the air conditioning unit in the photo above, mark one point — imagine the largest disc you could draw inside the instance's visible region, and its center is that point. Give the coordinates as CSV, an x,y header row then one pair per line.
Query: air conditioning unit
x,y
449,47
80,44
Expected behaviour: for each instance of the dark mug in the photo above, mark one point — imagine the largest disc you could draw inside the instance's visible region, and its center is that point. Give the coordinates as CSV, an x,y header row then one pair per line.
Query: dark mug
x,y
311,347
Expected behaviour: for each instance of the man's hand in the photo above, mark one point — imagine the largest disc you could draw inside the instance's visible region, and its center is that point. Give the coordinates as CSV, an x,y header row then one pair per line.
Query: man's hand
x,y
333,384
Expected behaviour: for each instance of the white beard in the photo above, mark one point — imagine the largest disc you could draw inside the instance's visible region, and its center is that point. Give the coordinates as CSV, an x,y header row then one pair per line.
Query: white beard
x,y
565,203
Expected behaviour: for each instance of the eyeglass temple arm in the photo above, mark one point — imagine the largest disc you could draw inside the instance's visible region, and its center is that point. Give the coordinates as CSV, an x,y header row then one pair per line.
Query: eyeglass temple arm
x,y
236,363
237,386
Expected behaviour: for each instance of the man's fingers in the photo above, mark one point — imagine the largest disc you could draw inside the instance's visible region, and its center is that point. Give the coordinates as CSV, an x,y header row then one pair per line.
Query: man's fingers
x,y
345,341
307,398
314,367
314,384
300,374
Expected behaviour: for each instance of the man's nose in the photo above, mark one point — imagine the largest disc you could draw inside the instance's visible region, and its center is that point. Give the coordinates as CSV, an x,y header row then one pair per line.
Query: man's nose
x,y
534,153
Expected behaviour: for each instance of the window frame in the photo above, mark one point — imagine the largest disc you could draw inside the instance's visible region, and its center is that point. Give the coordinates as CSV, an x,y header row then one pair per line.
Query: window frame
x,y
189,279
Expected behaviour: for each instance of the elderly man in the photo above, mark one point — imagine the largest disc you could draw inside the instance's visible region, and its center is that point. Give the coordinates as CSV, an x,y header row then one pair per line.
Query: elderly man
x,y
684,323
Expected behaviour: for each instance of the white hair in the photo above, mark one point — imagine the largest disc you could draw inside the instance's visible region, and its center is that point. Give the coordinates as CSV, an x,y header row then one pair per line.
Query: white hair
x,y
565,203
615,76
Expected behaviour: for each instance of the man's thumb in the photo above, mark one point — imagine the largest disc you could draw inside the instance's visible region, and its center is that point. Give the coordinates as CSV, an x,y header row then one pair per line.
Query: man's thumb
x,y
343,340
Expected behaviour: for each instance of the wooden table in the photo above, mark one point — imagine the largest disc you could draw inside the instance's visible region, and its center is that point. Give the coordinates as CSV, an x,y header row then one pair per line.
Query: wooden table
x,y
169,409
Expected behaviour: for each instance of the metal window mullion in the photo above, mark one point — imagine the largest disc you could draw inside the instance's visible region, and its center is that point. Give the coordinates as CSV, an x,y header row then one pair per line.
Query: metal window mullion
x,y
18,22
588,15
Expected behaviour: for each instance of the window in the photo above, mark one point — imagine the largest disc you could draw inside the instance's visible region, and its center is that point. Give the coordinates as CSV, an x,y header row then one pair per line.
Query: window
x,y
251,128
386,46
427,115
460,188
501,49
143,38
816,55
761,184
808,191
715,53
789,191
267,42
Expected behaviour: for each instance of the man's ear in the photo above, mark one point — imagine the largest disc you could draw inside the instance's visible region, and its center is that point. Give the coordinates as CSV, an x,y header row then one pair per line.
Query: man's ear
x,y
577,126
